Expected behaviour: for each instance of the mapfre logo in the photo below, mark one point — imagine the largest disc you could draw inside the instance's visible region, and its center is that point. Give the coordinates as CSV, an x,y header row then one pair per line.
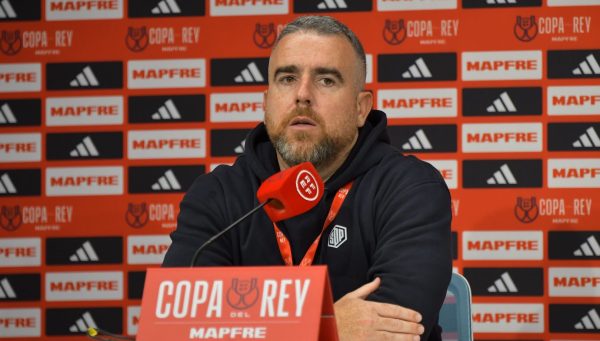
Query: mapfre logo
x,y
220,8
417,103
133,318
449,171
20,252
236,107
574,64
416,67
84,286
573,173
166,144
21,77
507,318
425,138
167,109
20,112
573,100
500,3
322,6
520,101
147,249
168,73
501,65
20,147
411,5
165,8
574,282
69,181
84,111
502,137
21,322
503,245
83,9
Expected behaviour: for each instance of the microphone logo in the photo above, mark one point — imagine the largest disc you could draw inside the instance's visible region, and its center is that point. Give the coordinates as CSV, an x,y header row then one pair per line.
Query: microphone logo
x,y
242,294
307,186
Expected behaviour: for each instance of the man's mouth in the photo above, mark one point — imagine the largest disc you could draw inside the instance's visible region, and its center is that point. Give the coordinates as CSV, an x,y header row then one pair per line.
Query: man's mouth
x,y
302,121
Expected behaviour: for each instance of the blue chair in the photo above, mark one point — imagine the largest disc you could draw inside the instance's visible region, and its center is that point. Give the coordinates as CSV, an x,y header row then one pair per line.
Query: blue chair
x,y
455,315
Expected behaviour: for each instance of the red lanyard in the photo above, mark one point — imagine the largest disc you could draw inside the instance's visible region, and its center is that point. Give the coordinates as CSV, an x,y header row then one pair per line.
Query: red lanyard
x,y
284,244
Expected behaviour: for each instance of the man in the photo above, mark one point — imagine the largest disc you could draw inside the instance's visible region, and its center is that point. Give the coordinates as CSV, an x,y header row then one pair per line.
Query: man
x,y
389,277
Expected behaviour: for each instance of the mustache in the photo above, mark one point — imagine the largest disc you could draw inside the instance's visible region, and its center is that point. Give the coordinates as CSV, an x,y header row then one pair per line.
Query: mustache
x,y
303,111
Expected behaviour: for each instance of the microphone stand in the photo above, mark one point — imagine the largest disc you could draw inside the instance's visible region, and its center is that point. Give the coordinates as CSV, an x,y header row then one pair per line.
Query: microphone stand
x,y
216,236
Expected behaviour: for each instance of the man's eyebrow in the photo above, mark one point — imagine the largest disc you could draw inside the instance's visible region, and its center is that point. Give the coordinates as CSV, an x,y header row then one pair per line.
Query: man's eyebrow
x,y
330,71
285,69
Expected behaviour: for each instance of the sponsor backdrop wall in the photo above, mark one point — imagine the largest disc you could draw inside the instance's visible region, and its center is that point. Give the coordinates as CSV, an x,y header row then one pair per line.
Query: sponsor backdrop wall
x,y
110,108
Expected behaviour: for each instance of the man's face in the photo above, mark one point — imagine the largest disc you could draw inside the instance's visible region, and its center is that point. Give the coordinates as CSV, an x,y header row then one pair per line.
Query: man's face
x,y
314,105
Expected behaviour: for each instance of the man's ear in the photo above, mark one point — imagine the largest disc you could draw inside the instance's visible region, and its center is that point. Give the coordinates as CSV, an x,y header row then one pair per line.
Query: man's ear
x,y
264,103
364,104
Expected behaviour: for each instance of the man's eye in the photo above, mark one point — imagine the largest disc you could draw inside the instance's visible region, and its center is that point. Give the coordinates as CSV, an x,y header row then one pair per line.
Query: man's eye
x,y
286,79
327,81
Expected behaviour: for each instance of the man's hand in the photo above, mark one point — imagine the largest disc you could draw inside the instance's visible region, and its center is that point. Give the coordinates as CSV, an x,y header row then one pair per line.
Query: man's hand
x,y
361,320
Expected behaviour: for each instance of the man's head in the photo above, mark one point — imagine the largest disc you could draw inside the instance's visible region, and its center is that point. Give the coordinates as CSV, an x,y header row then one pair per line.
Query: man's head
x,y
315,102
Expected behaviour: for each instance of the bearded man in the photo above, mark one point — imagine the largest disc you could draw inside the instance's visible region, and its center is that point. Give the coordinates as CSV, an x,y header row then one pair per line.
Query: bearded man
x,y
389,278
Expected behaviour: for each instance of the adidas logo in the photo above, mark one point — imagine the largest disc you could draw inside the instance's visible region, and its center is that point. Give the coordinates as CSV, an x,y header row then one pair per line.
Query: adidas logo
x,y
502,177
493,2
83,324
6,115
167,182
85,78
240,149
589,321
85,148
589,248
166,7
502,104
332,4
588,67
6,291
6,10
6,185
85,253
588,139
503,284
418,70
250,74
418,141
167,112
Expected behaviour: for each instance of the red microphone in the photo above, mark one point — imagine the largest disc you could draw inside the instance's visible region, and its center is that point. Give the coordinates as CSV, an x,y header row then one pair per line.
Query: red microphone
x,y
291,192
283,195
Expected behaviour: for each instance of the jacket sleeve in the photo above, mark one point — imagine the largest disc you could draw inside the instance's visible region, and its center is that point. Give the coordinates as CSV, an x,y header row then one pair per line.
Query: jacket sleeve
x,y
413,252
201,216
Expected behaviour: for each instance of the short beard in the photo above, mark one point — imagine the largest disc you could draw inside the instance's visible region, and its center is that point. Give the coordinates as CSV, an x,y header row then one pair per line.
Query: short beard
x,y
321,154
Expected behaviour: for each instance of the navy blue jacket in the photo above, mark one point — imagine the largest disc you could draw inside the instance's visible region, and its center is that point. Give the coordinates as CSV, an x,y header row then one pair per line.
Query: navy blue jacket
x,y
397,217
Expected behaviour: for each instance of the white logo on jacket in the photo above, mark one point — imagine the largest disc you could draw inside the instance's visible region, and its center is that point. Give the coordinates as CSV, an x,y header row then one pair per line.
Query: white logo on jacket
x,y
337,236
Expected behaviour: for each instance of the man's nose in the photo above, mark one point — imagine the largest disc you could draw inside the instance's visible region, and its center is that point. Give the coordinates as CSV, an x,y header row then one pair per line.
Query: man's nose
x,y
304,95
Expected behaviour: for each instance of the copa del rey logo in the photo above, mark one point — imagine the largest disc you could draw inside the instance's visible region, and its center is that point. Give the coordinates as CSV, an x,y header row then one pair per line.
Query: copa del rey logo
x,y
501,65
168,73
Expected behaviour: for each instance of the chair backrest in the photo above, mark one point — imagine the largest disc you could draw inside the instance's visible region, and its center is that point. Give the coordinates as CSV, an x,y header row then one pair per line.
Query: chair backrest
x,y
455,315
